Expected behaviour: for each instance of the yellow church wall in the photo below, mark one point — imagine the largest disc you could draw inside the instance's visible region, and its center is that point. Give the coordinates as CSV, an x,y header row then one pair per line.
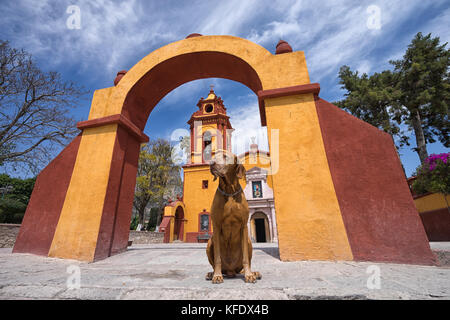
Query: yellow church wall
x,y
309,221
195,197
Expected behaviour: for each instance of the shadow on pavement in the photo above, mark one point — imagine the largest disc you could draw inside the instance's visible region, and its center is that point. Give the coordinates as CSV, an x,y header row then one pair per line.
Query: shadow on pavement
x,y
274,252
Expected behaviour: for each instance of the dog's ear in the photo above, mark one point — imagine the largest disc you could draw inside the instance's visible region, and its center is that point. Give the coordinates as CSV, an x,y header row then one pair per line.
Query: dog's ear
x,y
213,170
240,171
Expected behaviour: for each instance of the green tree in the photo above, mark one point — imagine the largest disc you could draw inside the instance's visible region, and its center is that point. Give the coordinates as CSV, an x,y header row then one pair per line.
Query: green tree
x,y
158,178
423,80
154,216
371,99
415,93
14,197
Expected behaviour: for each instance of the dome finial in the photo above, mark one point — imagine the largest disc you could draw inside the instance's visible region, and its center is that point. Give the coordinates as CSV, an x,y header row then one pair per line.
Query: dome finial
x,y
283,47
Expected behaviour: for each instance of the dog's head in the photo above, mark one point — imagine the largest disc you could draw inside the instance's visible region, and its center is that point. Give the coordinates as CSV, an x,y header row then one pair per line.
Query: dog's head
x,y
226,165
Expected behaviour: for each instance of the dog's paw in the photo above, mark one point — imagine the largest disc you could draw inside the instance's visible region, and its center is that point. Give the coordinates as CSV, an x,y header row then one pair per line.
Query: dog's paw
x,y
250,278
257,275
209,276
217,279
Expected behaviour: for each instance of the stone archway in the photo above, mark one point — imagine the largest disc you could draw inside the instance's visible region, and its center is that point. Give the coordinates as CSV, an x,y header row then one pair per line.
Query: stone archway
x,y
178,224
173,221
338,185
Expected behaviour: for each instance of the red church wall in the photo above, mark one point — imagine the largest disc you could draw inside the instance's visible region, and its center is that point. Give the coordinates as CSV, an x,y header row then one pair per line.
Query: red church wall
x,y
191,236
46,202
379,214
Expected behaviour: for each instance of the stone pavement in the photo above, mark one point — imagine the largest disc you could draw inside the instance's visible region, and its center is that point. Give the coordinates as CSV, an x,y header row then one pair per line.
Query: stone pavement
x,y
177,271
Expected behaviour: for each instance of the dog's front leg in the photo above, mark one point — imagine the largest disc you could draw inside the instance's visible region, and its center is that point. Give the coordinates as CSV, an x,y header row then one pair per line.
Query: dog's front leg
x,y
249,275
217,277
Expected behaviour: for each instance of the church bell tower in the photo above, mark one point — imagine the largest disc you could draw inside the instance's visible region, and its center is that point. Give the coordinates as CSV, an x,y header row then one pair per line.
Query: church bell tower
x,y
210,129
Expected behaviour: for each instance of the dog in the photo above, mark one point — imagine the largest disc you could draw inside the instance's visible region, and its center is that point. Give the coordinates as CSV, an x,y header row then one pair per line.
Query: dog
x,y
229,250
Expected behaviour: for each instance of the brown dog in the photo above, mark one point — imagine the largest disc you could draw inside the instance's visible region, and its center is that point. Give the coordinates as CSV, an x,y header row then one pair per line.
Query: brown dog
x,y
229,250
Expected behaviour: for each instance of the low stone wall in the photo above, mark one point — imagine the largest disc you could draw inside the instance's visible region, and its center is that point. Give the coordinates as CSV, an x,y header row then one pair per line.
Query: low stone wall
x,y
8,234
146,237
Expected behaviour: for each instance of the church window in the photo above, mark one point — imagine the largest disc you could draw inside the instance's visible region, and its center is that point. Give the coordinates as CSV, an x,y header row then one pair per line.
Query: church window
x,y
204,222
257,189
208,108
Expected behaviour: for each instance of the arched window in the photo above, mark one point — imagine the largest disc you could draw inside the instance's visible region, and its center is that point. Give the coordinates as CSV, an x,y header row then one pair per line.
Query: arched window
x,y
207,146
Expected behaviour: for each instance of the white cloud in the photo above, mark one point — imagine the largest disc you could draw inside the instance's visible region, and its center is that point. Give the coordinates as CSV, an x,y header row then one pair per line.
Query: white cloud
x,y
439,26
228,16
247,124
114,35
333,33
364,67
111,32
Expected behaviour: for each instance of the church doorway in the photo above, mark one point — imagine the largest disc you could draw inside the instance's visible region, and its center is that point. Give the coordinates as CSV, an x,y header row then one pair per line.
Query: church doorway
x,y
260,232
179,224
259,228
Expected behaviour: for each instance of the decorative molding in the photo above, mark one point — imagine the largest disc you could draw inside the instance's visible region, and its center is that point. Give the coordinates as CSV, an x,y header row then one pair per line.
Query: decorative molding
x,y
120,120
313,88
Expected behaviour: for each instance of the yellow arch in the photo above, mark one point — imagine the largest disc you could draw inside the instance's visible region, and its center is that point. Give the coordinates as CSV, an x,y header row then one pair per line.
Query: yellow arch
x,y
274,71
314,231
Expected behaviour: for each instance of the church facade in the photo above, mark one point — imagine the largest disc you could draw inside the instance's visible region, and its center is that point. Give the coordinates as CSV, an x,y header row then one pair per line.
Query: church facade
x,y
188,218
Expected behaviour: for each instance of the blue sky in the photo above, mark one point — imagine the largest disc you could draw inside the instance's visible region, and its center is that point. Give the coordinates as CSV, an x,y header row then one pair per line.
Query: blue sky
x,y
115,35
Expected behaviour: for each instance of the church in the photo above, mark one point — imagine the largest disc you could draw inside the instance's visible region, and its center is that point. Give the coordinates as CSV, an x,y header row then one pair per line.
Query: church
x,y
188,218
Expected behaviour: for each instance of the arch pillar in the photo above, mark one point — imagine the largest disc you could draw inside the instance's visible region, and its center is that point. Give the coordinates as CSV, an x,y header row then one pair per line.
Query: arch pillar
x,y
95,218
309,221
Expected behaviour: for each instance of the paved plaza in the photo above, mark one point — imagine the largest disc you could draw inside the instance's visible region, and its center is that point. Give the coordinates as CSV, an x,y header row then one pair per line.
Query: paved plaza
x,y
177,271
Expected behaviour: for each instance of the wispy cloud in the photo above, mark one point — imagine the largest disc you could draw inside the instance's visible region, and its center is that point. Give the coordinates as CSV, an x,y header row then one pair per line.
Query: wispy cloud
x,y
247,124
109,35
334,33
115,35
